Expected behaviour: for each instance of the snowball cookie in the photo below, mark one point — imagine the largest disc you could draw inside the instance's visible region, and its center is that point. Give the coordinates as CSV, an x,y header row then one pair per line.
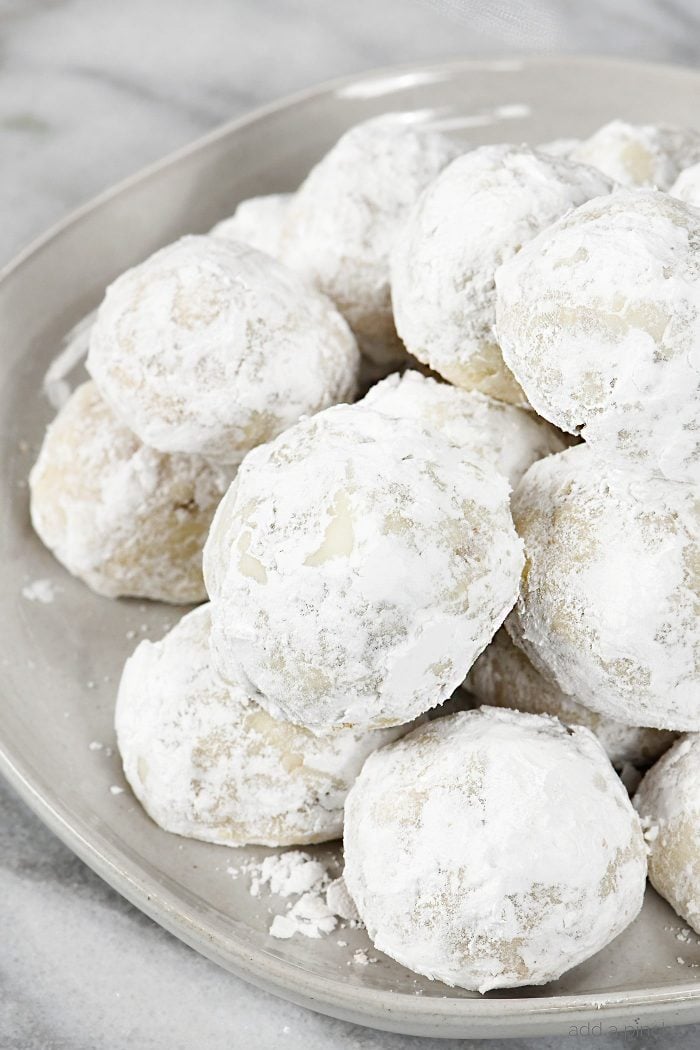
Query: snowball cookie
x,y
501,436
211,347
474,216
558,147
687,186
599,319
640,154
343,220
122,517
357,568
668,801
609,600
493,849
206,761
504,677
257,222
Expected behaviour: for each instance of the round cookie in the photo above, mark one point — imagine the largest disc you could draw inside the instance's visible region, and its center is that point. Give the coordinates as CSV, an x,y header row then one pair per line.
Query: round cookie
x,y
687,186
502,436
357,568
609,599
639,154
206,761
257,222
599,319
212,347
504,677
122,517
493,849
474,216
668,802
343,220
558,147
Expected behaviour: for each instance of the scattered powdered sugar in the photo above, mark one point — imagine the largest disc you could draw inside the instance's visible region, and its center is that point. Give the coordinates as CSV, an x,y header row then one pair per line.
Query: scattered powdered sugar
x,y
322,901
310,916
42,590
288,873
97,745
115,789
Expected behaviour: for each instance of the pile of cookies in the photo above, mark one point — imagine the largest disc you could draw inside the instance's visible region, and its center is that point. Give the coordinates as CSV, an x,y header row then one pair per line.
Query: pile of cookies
x,y
509,517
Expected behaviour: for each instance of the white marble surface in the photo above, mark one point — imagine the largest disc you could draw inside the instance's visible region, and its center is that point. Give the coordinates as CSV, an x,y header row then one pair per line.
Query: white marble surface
x,y
90,91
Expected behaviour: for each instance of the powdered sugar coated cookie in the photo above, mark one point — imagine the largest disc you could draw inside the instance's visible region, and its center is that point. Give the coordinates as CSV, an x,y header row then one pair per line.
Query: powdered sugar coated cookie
x,y
609,599
503,676
258,222
502,436
493,849
207,762
687,186
640,154
599,319
356,569
343,220
212,347
476,214
122,517
668,802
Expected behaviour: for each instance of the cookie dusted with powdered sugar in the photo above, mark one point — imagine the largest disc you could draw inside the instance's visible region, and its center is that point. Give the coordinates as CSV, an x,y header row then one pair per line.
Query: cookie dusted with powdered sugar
x,y
668,802
343,220
687,186
122,517
639,154
501,436
599,319
608,606
558,147
476,214
493,849
212,347
257,222
356,569
503,676
207,762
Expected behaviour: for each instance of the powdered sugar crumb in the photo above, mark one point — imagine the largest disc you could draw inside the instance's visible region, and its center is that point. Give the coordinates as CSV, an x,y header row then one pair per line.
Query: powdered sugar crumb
x,y
340,902
289,873
310,916
321,900
42,590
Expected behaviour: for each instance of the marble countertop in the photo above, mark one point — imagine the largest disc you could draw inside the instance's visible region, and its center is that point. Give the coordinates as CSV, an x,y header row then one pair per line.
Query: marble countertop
x,y
90,92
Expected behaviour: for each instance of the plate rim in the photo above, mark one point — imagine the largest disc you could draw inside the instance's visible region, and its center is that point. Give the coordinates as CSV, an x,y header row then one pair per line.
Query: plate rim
x,y
390,1010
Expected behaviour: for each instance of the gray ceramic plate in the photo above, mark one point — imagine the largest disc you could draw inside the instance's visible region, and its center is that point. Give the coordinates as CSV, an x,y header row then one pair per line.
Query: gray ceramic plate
x,y
60,662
